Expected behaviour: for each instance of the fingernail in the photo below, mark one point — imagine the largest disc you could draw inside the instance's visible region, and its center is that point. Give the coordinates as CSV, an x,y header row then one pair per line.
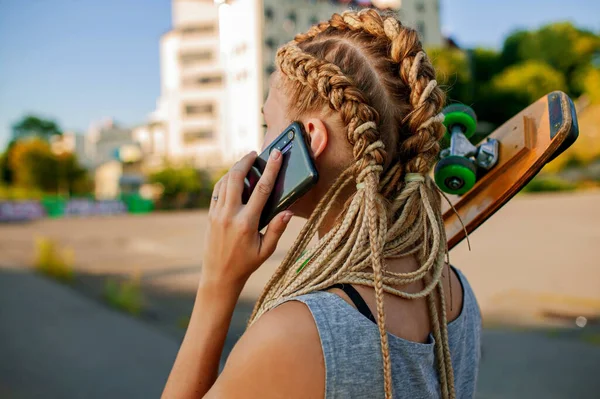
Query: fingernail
x,y
275,154
287,216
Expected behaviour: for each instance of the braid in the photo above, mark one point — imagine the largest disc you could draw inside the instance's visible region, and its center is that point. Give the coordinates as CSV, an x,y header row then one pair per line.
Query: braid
x,y
392,122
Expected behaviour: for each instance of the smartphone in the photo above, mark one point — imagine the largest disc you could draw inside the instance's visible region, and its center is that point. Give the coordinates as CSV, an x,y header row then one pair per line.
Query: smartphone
x,y
297,175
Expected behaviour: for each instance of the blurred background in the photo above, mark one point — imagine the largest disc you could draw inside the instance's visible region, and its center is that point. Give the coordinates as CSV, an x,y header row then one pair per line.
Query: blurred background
x,y
117,117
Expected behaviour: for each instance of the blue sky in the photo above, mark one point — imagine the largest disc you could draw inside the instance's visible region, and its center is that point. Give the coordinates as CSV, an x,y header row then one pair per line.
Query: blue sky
x,y
82,60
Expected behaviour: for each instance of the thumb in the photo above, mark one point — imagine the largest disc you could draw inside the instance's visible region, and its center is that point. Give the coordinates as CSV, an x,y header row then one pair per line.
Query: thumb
x,y
273,234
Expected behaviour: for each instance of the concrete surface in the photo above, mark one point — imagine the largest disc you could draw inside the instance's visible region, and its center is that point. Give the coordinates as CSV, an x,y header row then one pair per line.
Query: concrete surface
x,y
535,263
55,343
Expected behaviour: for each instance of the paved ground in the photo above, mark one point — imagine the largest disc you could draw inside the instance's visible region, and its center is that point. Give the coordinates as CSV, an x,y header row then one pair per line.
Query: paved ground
x,y
535,263
54,343
542,363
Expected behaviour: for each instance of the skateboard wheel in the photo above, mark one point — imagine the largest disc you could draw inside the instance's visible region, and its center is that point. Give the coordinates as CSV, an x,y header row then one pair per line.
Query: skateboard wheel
x,y
455,175
460,114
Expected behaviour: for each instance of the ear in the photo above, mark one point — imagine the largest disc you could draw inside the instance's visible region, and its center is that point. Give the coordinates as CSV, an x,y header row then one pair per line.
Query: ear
x,y
319,136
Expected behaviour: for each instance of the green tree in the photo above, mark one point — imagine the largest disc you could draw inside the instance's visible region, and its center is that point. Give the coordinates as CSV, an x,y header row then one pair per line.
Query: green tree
x,y
515,88
588,80
35,126
3,168
563,46
176,180
485,64
531,80
73,177
183,187
35,166
453,72
6,172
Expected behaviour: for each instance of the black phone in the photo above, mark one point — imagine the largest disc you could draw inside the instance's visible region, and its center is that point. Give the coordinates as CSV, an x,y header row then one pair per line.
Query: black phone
x,y
297,175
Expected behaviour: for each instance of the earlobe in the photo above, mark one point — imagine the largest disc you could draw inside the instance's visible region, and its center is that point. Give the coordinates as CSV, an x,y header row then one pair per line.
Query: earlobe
x,y
319,136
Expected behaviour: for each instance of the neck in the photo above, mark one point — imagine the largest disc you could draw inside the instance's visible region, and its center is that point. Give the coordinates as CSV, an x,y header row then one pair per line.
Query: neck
x,y
327,224
337,208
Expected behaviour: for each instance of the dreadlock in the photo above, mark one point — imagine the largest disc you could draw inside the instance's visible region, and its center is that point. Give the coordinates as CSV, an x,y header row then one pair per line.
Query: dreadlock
x,y
371,70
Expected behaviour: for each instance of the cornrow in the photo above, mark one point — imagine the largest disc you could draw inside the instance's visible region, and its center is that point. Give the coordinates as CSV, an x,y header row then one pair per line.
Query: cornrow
x,y
395,210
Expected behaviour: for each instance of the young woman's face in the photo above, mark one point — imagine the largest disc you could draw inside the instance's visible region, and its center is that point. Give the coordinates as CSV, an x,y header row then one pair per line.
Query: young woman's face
x,y
328,142
275,111
276,120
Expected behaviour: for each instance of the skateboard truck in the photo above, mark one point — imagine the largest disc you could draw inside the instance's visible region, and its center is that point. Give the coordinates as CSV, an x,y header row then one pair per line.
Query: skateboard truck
x,y
522,146
456,171
485,155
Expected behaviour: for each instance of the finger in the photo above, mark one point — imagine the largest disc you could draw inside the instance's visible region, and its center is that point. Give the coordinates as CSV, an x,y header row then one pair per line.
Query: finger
x,y
215,194
265,184
222,196
237,174
273,234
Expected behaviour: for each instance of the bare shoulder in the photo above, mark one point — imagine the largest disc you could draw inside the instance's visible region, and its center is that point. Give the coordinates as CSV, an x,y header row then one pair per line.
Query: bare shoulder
x,y
279,356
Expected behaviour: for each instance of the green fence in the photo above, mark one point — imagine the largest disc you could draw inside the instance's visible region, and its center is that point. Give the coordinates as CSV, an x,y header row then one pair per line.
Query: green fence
x,y
136,204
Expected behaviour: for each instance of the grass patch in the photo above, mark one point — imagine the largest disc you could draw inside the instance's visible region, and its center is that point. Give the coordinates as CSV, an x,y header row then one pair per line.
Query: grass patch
x,y
125,296
549,183
54,261
183,322
591,338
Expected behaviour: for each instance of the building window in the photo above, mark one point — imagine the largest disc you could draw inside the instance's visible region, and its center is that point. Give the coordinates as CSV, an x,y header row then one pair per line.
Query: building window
x,y
314,20
268,13
269,70
192,136
210,80
270,43
199,109
421,29
420,6
199,29
192,58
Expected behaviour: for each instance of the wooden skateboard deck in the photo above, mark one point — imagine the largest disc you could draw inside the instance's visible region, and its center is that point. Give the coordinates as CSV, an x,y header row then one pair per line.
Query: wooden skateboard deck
x,y
527,142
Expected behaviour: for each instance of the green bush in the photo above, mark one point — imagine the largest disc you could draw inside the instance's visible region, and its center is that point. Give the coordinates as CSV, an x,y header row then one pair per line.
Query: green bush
x,y
54,261
549,183
184,187
35,166
11,193
573,162
137,204
125,296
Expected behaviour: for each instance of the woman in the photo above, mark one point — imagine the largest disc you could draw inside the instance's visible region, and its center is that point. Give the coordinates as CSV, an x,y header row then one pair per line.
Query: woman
x,y
367,96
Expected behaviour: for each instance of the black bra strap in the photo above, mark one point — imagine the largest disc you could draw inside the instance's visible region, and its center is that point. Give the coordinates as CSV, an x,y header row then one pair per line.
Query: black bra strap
x,y
358,301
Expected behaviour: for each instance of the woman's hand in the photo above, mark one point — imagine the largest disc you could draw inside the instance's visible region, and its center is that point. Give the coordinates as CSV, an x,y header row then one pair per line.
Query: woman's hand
x,y
234,247
234,250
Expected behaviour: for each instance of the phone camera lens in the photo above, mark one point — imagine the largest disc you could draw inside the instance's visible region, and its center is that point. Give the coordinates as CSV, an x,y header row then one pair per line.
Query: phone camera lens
x,y
290,135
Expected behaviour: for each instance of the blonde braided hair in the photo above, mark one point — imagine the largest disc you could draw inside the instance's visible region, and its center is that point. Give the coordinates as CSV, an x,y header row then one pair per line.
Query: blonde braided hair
x,y
393,124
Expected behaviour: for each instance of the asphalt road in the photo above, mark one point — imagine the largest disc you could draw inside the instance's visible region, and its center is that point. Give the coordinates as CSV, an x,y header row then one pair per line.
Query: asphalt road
x,y
535,264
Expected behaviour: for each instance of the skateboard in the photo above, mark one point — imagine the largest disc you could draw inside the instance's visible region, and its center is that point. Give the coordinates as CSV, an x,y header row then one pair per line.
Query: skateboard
x,y
480,179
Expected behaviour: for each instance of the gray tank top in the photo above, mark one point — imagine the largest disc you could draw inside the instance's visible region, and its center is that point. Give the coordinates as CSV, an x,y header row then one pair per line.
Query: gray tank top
x,y
352,351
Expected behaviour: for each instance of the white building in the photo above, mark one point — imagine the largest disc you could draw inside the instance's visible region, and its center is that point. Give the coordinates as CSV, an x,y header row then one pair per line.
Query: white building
x,y
253,30
152,139
215,65
70,142
112,154
187,123
282,19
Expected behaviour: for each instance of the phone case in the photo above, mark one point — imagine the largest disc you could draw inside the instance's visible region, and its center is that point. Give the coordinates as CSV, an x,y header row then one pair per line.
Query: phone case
x,y
297,175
